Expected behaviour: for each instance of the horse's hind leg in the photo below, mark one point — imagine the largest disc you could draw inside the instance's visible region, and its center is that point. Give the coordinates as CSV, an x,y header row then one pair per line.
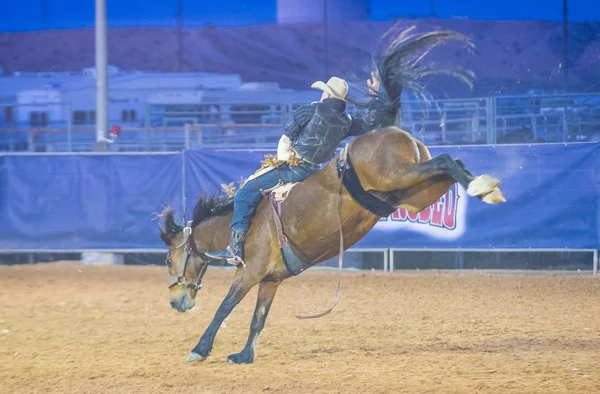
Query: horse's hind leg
x,y
438,166
266,294
237,292
462,165
420,196
423,175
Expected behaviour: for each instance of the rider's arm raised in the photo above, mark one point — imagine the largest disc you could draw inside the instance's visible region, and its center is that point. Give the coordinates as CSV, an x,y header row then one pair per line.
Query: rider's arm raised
x,y
359,126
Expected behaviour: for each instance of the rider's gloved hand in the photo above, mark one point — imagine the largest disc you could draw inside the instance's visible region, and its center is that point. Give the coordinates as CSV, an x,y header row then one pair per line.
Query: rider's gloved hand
x,y
283,149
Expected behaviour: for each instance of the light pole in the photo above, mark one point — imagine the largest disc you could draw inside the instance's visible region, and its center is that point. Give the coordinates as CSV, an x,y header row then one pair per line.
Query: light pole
x,y
102,138
101,73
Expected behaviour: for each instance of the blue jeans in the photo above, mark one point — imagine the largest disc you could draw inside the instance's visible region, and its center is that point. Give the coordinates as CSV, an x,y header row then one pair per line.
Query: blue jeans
x,y
248,197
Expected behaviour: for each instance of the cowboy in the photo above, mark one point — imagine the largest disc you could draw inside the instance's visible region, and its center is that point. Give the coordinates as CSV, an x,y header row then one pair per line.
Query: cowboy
x,y
309,140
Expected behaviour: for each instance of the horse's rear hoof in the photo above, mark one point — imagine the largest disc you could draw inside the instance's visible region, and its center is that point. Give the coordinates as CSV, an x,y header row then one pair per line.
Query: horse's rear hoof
x,y
195,357
494,197
241,358
481,185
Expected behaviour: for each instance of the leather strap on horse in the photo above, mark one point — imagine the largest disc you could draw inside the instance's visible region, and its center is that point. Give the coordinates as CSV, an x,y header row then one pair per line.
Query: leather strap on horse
x,y
277,212
365,199
344,156
283,240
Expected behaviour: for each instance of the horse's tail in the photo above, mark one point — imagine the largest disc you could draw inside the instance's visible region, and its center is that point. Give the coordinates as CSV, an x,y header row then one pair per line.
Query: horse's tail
x,y
399,65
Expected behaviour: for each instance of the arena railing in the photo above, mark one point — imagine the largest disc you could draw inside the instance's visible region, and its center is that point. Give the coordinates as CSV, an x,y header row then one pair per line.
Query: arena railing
x,y
460,254
490,120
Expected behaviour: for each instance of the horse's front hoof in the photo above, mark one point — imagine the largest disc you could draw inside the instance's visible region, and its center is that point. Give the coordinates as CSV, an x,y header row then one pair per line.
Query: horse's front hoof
x,y
241,358
195,357
481,185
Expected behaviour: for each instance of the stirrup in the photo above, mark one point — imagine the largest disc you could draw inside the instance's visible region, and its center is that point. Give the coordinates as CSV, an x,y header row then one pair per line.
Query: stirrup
x,y
232,259
213,256
235,259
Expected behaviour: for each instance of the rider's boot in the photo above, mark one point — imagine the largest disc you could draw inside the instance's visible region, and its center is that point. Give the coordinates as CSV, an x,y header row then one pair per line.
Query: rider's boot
x,y
234,252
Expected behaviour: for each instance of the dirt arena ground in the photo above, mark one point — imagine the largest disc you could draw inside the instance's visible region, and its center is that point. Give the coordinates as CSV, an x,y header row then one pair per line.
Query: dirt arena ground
x,y
70,328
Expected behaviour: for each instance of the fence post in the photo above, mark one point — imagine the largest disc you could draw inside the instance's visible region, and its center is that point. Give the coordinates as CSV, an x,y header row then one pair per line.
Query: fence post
x,y
30,140
69,128
183,197
565,125
459,260
147,124
474,125
186,134
444,126
386,263
490,119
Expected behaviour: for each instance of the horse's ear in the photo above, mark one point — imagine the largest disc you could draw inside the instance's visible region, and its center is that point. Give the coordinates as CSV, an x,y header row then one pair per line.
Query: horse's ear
x,y
171,228
166,237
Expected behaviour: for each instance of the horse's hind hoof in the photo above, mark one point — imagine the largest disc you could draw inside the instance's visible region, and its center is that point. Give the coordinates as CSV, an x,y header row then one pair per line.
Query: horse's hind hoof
x,y
241,358
195,357
481,185
494,197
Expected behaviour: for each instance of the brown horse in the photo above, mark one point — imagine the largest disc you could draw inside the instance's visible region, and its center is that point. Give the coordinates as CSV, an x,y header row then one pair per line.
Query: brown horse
x,y
388,162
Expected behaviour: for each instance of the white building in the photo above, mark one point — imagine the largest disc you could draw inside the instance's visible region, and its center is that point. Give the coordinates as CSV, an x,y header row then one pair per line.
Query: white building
x,y
53,100
33,103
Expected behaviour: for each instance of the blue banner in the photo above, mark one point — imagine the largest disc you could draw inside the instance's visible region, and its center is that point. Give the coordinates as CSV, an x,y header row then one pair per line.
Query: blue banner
x,y
207,170
552,202
551,190
75,202
83,202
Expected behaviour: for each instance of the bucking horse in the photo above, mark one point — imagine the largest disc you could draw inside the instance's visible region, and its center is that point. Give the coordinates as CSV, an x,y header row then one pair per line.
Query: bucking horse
x,y
331,210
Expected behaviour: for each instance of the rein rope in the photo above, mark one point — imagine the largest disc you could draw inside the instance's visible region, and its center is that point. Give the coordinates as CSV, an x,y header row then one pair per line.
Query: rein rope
x,y
344,157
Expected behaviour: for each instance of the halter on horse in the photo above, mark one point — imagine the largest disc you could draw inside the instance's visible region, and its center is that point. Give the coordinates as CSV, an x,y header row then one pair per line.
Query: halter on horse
x,y
190,247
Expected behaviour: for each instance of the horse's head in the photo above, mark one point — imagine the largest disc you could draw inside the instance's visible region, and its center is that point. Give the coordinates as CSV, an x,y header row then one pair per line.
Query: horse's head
x,y
186,267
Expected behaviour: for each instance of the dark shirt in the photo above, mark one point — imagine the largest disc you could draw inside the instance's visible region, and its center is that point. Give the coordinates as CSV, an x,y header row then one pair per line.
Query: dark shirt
x,y
303,114
318,128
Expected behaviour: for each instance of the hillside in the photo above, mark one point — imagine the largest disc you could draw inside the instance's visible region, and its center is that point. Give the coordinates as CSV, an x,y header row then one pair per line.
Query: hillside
x,y
510,56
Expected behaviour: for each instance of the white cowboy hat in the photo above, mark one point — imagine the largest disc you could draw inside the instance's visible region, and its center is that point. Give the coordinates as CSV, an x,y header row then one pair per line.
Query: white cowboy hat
x,y
335,87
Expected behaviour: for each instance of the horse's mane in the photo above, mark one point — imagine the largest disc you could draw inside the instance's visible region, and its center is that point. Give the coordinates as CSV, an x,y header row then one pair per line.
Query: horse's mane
x,y
206,207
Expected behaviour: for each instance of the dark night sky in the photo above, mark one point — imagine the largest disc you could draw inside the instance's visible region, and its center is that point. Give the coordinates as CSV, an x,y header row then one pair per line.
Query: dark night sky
x,y
24,15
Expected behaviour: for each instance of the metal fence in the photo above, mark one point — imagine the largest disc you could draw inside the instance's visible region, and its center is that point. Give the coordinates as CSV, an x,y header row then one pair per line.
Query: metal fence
x,y
490,120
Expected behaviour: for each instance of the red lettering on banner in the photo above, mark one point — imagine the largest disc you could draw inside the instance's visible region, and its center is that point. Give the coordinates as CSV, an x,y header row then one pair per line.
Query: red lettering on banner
x,y
412,216
442,213
450,209
436,216
425,215
400,214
